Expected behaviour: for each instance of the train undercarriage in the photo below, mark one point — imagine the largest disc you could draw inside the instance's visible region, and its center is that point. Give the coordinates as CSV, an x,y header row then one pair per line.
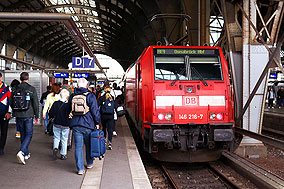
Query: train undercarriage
x,y
188,143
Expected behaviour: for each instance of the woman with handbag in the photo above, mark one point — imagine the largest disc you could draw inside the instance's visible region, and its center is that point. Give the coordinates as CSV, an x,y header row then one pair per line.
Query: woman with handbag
x,y
60,112
50,99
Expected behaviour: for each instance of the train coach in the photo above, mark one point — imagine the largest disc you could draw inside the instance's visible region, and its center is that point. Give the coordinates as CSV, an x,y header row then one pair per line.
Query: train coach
x,y
181,102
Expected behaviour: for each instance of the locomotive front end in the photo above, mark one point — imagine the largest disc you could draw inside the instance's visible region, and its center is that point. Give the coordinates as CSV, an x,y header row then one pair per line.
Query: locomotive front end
x,y
193,105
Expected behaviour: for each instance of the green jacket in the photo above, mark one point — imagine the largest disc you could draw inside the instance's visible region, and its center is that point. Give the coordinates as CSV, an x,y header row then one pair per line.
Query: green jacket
x,y
34,105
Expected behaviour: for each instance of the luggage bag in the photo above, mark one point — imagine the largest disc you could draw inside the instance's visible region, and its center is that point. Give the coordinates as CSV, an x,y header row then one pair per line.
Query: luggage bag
x,y
98,141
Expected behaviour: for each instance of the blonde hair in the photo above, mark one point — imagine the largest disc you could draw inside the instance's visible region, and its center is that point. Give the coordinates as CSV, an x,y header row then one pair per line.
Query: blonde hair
x,y
107,91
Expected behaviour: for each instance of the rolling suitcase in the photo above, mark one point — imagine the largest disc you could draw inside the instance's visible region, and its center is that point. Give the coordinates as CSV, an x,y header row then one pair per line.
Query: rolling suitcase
x,y
97,144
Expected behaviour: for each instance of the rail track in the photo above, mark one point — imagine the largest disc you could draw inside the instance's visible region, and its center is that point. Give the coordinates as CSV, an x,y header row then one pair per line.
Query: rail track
x,y
183,176
209,175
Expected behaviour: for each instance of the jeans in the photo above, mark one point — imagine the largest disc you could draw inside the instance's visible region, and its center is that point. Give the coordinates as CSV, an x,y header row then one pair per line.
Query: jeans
x,y
60,135
280,101
46,121
81,136
4,131
26,130
18,128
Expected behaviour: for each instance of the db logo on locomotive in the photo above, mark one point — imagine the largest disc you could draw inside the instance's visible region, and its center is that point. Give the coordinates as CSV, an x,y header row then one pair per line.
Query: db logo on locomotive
x,y
190,100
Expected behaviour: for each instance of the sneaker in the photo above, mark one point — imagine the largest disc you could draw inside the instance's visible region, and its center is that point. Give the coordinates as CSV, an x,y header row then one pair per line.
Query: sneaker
x,y
55,152
18,135
21,158
114,133
81,172
109,147
272,107
28,156
90,166
63,157
45,132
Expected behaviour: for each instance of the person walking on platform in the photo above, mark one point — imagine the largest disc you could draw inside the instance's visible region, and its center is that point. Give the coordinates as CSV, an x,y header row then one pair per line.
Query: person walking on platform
x,y
117,93
271,96
14,84
42,101
107,104
280,97
59,111
66,86
50,99
85,118
25,105
5,113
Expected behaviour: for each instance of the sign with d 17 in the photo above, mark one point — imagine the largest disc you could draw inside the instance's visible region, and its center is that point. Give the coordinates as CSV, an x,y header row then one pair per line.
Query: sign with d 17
x,y
83,62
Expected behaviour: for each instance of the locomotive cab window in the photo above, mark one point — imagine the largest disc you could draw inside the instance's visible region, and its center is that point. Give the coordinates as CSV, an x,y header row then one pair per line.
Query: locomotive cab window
x,y
208,67
170,68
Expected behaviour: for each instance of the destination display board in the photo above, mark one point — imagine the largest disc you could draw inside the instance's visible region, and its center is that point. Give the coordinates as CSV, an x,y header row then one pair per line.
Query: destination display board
x,y
273,76
61,75
81,75
185,51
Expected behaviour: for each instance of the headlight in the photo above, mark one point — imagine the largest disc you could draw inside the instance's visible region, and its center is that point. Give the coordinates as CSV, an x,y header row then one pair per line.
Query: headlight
x,y
169,116
165,116
216,116
161,116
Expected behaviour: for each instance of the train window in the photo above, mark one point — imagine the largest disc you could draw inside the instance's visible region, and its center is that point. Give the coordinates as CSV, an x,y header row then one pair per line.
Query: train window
x,y
208,67
170,68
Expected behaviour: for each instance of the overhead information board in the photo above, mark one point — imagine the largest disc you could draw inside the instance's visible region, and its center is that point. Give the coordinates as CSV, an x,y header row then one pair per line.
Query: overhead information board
x,y
186,51
81,75
61,75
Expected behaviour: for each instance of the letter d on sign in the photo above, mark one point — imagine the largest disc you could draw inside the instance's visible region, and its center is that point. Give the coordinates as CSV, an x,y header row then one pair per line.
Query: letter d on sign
x,y
77,62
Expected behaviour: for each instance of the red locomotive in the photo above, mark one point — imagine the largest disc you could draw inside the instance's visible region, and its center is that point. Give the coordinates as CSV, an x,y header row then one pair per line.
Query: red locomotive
x,y
181,102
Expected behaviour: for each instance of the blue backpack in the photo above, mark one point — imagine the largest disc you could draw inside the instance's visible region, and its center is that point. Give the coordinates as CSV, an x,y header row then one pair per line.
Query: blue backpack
x,y
107,107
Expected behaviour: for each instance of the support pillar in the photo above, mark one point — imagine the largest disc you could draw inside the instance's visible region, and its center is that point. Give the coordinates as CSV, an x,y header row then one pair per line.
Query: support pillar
x,y
10,50
21,56
255,58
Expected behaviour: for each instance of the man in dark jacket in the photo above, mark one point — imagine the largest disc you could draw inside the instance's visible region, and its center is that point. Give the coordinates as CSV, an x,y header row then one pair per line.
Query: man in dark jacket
x,y
24,118
5,113
280,97
83,125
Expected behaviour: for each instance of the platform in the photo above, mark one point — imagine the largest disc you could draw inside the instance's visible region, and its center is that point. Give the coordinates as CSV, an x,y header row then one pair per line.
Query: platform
x,y
121,168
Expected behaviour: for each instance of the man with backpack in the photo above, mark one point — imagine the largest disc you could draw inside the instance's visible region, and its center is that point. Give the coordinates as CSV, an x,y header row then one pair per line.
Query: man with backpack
x,y
5,113
85,118
25,105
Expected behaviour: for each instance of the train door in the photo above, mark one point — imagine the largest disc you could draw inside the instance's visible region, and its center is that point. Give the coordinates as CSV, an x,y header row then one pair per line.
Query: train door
x,y
137,87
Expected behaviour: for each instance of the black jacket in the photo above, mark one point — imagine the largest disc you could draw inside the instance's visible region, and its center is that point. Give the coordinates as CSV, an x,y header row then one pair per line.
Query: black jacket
x,y
34,105
60,111
43,96
280,94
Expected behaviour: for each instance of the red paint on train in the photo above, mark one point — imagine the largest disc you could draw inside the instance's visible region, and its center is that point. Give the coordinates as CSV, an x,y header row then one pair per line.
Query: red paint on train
x,y
181,102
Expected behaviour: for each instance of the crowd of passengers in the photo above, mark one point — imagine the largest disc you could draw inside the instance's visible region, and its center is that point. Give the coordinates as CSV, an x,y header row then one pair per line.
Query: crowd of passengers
x,y
57,116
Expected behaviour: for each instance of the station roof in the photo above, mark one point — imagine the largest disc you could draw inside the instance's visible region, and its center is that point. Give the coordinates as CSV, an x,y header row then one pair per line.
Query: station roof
x,y
117,28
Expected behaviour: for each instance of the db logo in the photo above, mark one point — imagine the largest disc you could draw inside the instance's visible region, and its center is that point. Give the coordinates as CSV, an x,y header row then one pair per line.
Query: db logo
x,y
190,100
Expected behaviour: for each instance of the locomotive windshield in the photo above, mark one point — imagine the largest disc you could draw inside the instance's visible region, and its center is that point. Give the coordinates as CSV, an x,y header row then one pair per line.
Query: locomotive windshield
x,y
187,66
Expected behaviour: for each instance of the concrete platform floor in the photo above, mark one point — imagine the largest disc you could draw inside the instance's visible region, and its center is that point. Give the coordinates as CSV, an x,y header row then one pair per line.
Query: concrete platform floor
x,y
121,167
